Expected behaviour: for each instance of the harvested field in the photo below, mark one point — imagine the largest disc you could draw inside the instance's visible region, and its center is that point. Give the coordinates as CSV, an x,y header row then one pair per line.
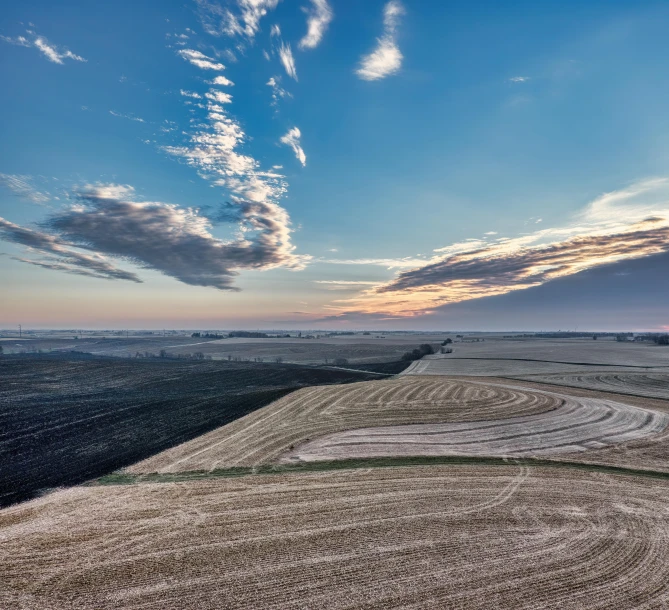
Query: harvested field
x,y
66,419
583,350
262,436
653,385
355,348
577,425
507,367
465,537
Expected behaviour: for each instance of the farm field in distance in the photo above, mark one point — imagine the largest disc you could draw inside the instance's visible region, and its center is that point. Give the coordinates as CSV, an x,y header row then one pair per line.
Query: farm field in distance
x,y
358,348
430,488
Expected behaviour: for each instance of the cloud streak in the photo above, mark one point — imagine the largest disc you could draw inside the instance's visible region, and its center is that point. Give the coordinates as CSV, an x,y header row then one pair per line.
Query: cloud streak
x,y
288,61
319,16
58,254
200,60
386,59
215,149
53,53
628,224
21,186
242,18
292,139
278,93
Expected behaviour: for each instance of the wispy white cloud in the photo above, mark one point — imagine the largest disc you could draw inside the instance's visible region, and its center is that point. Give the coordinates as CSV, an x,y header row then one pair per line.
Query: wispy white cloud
x,y
192,94
214,148
277,91
347,282
275,31
519,79
292,139
130,117
200,60
52,52
22,186
386,59
286,57
388,263
238,18
218,96
319,16
221,80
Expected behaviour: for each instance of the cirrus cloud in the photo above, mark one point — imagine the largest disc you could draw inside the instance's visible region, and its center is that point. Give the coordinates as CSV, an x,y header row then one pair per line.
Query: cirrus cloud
x,y
386,59
200,60
319,17
292,139
52,52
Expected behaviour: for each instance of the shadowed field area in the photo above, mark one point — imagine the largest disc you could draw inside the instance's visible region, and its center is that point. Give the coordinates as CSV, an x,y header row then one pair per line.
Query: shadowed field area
x,y
67,419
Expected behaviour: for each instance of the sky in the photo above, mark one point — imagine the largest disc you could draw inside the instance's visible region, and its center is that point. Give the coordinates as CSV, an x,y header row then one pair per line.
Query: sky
x,y
335,164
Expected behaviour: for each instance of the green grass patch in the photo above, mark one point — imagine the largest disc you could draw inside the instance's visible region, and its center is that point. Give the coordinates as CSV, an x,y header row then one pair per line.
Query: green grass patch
x,y
121,478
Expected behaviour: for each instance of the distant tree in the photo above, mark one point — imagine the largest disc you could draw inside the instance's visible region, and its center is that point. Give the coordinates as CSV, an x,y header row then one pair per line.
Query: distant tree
x,y
278,359
195,335
661,339
163,353
422,350
198,356
1,350
594,337
447,341
245,334
340,361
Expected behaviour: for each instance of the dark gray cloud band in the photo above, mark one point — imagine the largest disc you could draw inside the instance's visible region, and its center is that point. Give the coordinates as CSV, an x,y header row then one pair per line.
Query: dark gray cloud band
x,y
106,223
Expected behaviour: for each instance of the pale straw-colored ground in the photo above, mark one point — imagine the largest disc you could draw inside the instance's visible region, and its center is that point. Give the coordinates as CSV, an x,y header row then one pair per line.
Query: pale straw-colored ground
x,y
460,537
653,385
578,425
263,435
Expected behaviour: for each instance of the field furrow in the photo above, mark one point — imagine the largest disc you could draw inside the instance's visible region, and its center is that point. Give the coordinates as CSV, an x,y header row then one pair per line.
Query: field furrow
x,y
262,436
414,537
578,424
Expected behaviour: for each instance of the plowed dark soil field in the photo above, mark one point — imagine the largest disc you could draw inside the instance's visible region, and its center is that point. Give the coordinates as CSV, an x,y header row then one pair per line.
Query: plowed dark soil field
x,y
64,420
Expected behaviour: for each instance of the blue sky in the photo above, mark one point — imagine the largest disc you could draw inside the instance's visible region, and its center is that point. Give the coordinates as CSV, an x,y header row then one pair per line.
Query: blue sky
x,y
325,163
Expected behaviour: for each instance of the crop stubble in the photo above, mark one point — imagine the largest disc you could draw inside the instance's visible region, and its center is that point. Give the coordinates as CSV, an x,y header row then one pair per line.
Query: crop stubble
x,y
652,385
578,425
262,436
421,537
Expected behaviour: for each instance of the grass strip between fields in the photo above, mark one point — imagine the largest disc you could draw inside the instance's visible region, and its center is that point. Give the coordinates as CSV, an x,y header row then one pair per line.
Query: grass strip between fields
x,y
122,478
